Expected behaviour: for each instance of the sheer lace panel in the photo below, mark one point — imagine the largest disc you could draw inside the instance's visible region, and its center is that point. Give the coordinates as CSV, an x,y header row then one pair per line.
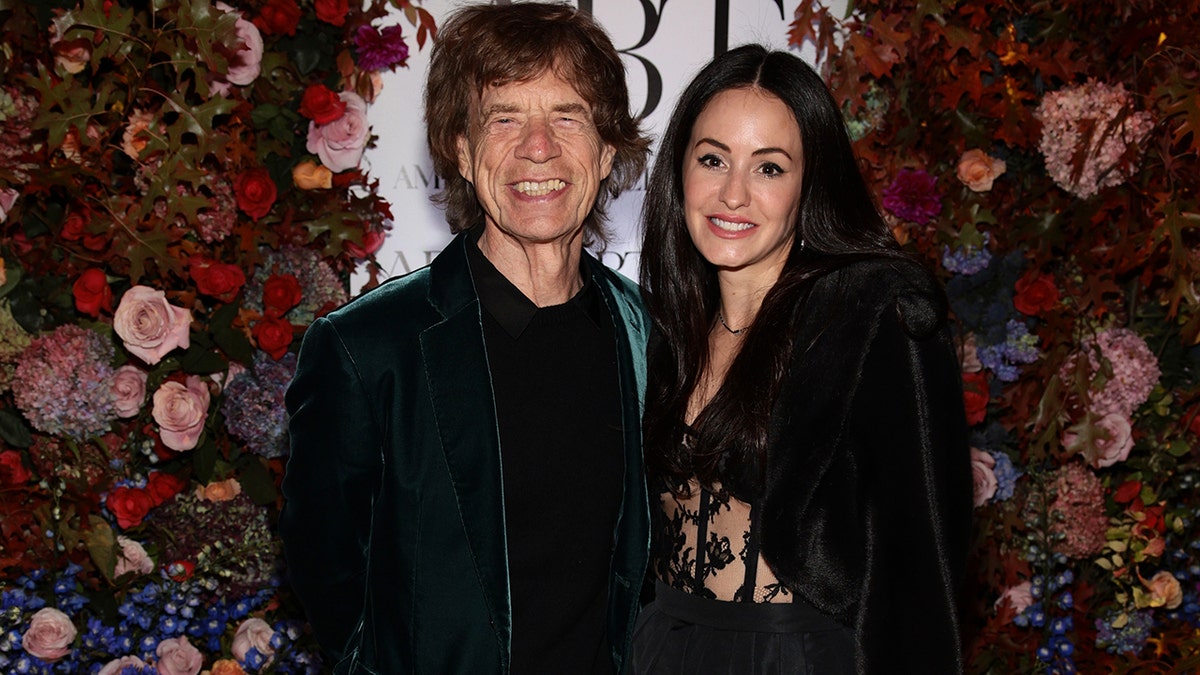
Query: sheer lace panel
x,y
728,566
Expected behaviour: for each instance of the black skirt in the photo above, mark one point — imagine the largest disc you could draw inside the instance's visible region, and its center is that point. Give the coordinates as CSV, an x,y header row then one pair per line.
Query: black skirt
x,y
680,633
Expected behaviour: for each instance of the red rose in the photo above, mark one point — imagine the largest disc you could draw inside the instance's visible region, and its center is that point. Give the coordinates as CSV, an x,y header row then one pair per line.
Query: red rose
x,y
74,226
371,242
1036,293
181,570
321,104
332,11
95,242
92,292
1127,491
280,294
129,505
12,468
218,280
975,396
278,16
255,192
162,486
273,336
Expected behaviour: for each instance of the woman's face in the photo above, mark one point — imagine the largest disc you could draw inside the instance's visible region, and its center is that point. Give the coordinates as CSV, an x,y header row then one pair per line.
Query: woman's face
x,y
742,173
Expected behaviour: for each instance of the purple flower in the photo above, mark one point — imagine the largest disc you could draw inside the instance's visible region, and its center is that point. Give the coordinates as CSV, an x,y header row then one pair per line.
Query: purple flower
x,y
380,50
913,197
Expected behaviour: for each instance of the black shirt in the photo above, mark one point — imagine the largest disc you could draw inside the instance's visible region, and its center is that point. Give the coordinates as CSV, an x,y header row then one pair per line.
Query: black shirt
x,y
558,405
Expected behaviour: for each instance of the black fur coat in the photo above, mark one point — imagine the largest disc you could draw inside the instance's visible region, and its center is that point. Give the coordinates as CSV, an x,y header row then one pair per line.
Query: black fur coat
x,y
867,510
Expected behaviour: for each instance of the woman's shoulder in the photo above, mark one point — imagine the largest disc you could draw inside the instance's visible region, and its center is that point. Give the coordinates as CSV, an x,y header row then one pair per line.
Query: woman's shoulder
x,y
875,288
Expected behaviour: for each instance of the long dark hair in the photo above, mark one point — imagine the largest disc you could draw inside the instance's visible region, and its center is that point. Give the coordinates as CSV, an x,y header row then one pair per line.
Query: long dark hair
x,y
837,223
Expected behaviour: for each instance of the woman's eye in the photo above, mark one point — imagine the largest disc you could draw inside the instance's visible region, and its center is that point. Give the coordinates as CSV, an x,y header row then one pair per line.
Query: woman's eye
x,y
772,169
710,161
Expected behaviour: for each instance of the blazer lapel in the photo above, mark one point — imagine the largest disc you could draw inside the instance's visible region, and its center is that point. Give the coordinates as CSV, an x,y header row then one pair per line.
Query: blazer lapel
x,y
460,386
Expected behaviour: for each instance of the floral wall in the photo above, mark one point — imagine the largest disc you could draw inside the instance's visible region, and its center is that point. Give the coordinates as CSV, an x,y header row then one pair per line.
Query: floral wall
x,y
180,196
1043,156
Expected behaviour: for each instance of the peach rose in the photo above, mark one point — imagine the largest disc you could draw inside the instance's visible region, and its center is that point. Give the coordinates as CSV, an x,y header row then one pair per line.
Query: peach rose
x,y
220,491
254,633
129,388
340,143
982,464
978,170
117,665
308,175
49,635
132,558
1019,596
177,656
227,667
133,142
180,410
1164,590
149,325
1110,441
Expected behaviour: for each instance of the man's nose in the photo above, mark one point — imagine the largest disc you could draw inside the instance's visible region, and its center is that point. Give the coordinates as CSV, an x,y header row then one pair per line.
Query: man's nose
x,y
538,141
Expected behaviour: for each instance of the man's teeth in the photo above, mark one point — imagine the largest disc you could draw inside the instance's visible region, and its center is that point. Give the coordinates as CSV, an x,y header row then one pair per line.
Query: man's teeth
x,y
538,189
731,227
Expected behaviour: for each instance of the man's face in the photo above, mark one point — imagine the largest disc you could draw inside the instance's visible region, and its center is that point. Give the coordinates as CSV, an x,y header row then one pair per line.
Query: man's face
x,y
535,159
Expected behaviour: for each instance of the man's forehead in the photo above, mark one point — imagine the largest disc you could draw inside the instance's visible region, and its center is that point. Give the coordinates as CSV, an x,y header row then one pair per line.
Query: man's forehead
x,y
545,89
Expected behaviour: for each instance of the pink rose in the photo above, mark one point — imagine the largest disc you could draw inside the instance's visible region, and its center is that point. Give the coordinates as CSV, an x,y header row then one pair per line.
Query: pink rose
x,y
180,410
978,170
117,665
129,388
49,635
254,633
1103,444
246,65
1164,590
132,558
149,325
1019,596
968,355
177,656
340,143
8,197
982,464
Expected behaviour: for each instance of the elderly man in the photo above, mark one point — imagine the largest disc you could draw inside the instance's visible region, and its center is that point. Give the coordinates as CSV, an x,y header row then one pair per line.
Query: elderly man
x,y
465,491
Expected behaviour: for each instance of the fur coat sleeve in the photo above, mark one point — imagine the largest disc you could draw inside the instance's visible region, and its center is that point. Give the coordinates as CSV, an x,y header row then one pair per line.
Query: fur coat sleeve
x,y
868,496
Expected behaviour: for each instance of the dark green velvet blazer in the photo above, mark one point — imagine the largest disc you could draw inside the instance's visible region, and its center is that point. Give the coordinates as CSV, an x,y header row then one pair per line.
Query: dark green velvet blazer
x,y
393,525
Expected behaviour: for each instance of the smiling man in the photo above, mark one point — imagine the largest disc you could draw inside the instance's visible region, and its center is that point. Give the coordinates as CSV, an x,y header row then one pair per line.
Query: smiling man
x,y
465,492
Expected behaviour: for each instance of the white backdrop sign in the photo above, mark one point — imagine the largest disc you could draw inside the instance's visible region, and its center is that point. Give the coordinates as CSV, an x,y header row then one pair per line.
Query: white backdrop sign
x,y
663,43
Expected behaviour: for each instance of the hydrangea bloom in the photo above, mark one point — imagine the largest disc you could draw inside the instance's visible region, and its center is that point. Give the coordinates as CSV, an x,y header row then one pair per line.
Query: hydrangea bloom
x,y
62,382
1127,639
1077,511
1135,370
380,49
967,259
253,406
1019,347
913,196
1006,476
322,287
1091,139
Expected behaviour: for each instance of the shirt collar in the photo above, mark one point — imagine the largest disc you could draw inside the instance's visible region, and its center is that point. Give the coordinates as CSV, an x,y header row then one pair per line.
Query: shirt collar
x,y
509,306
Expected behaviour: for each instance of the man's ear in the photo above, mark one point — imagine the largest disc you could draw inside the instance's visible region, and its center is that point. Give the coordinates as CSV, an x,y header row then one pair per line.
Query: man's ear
x,y
465,164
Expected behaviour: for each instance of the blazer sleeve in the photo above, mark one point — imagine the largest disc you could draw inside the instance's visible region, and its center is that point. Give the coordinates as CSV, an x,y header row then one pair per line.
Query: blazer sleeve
x,y
329,487
916,487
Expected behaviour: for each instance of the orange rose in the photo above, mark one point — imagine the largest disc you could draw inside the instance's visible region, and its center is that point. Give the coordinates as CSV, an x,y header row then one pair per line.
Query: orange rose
x,y
227,667
134,141
308,175
221,491
977,170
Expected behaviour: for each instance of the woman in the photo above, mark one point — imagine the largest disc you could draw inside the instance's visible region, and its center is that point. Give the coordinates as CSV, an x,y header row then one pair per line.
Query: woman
x,y
804,423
